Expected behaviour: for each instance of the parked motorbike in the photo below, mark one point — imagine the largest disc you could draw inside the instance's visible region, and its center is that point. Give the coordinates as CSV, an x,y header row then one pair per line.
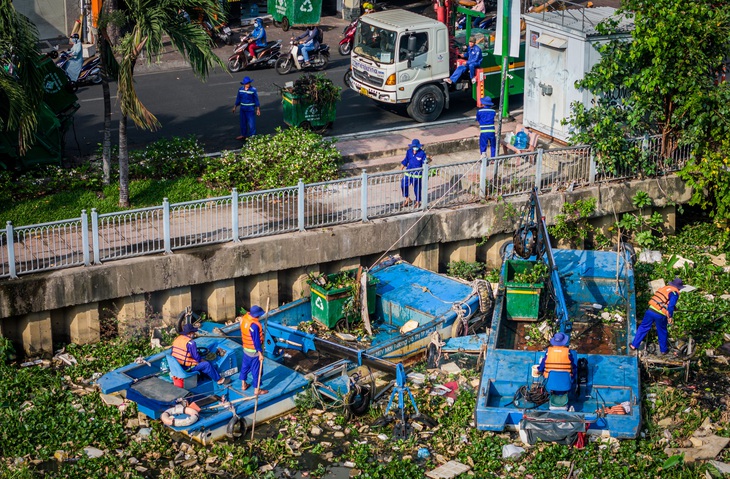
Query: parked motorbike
x,y
318,59
266,56
217,30
348,38
90,70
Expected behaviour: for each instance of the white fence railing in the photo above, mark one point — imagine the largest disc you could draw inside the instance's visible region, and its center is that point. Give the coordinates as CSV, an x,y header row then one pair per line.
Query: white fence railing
x,y
169,227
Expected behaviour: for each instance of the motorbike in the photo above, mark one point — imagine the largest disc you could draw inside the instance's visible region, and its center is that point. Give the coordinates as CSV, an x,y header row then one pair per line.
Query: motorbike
x,y
266,56
318,59
90,70
216,30
348,38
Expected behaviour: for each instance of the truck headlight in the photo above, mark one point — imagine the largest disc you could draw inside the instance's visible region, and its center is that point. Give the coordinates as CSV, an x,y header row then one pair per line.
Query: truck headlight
x,y
390,80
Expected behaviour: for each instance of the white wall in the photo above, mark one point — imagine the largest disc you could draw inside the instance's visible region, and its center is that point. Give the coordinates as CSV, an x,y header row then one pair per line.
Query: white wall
x,y
48,15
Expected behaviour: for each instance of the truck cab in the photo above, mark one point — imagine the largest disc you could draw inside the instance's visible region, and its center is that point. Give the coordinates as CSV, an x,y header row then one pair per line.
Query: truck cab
x,y
400,57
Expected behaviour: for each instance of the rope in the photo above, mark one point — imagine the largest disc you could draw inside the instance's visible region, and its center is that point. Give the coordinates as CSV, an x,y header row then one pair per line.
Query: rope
x,y
535,394
423,215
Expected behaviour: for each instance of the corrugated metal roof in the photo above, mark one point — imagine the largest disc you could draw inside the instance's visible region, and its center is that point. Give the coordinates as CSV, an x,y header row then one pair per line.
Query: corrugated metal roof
x,y
581,20
398,18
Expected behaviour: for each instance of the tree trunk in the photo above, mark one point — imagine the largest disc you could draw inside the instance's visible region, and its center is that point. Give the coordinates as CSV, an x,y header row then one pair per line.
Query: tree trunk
x,y
123,164
106,144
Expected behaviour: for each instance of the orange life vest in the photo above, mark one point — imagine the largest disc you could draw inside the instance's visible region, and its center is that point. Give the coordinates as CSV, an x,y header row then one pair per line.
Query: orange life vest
x,y
558,359
660,300
180,351
246,322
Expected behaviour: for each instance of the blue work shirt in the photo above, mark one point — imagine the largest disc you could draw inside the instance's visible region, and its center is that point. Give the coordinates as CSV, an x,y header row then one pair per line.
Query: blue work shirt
x,y
259,34
485,118
474,56
247,99
193,351
256,337
414,160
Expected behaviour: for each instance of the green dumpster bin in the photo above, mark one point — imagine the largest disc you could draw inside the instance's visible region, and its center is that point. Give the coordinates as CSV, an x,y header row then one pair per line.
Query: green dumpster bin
x,y
523,299
299,111
328,302
294,12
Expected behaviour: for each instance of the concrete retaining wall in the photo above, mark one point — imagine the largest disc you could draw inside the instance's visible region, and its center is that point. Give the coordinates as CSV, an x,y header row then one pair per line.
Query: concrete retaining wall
x,y
66,305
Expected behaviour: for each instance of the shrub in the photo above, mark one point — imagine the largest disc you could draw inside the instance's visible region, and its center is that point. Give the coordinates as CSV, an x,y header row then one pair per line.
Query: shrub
x,y
276,161
167,159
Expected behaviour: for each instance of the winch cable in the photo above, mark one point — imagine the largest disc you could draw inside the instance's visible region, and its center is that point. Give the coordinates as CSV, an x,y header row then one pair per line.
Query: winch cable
x,y
423,215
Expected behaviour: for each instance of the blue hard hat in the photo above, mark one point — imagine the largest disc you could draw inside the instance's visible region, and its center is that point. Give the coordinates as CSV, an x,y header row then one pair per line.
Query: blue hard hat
x,y
246,80
256,311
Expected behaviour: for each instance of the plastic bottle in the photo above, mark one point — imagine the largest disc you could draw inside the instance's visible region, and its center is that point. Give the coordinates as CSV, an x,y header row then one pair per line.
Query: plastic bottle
x,y
164,367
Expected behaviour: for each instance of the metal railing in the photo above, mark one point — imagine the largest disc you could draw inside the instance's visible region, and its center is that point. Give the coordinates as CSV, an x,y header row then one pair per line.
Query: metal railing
x,y
170,227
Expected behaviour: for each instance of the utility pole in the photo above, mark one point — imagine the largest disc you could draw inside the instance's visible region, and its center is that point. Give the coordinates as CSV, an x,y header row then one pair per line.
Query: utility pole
x,y
504,89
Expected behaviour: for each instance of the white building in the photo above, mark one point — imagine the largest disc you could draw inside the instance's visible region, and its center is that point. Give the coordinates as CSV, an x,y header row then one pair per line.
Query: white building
x,y
561,48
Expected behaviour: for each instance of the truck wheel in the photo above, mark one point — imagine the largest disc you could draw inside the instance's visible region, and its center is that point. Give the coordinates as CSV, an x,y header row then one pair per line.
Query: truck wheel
x,y
427,104
348,78
283,65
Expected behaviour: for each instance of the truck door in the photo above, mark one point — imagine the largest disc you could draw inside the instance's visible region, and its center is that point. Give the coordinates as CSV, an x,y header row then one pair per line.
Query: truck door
x,y
413,68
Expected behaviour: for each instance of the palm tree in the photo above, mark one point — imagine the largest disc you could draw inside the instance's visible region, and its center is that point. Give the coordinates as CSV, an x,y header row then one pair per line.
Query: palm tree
x,y
147,22
21,83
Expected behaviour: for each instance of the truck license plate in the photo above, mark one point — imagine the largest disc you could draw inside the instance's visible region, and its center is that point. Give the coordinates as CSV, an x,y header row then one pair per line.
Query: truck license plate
x,y
363,91
229,372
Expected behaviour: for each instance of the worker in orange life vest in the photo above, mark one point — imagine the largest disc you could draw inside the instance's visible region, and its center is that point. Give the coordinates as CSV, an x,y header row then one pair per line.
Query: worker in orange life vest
x,y
186,352
661,312
558,357
252,338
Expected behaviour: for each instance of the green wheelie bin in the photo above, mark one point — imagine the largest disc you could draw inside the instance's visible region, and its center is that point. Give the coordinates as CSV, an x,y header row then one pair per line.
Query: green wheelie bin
x,y
300,111
287,13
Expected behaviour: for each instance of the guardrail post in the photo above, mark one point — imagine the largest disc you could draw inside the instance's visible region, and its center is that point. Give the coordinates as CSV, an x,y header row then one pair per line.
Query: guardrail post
x,y
166,224
10,237
300,204
95,235
424,186
364,197
85,237
538,169
234,215
483,177
592,168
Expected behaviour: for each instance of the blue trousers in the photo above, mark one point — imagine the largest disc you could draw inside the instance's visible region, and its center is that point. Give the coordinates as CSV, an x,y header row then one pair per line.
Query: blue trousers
x,y
409,180
305,49
250,364
651,317
248,123
460,69
488,139
206,368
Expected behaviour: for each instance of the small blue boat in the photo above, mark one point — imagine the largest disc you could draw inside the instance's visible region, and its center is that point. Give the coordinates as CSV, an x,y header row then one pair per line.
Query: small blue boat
x,y
592,299
412,305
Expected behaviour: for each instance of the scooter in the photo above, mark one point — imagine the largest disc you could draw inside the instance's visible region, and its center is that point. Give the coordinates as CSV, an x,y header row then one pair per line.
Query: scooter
x,y
265,56
216,30
90,70
318,59
348,37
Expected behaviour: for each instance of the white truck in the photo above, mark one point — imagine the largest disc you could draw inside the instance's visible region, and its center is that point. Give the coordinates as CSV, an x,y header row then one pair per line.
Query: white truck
x,y
401,58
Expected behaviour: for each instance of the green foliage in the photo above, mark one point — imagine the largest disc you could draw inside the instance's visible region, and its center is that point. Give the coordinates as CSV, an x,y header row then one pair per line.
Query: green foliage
x,y
538,273
572,223
167,159
468,270
317,88
277,161
7,350
646,231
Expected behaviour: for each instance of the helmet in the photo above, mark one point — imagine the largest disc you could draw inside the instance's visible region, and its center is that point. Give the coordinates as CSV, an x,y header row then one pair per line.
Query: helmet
x,y
258,22
75,36
368,6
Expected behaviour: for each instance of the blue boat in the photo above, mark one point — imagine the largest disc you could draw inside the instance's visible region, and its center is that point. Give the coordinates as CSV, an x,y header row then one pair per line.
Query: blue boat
x,y
412,306
590,297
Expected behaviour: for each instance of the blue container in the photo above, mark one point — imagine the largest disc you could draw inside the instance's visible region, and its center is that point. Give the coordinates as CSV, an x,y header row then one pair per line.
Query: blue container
x,y
253,11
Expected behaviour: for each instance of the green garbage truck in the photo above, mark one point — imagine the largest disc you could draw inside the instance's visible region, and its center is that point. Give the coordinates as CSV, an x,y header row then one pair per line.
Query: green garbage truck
x,y
55,117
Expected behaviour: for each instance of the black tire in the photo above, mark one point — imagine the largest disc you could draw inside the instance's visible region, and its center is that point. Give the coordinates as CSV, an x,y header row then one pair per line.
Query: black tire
x,y
459,329
283,65
181,320
277,23
432,362
305,125
342,325
227,39
319,61
235,65
285,25
236,427
95,79
424,419
348,78
503,248
345,49
358,401
427,104
53,54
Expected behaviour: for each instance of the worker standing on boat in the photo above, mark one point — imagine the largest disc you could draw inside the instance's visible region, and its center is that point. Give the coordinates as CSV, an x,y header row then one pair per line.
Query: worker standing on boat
x,y
252,338
185,351
661,312
558,357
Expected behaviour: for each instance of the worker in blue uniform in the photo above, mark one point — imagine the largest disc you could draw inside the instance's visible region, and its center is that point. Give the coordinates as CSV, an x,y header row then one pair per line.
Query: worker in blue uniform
x,y
485,118
252,340
248,100
660,312
414,159
473,58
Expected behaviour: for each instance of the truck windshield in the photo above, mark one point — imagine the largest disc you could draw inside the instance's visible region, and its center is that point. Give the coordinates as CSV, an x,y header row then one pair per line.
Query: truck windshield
x,y
374,42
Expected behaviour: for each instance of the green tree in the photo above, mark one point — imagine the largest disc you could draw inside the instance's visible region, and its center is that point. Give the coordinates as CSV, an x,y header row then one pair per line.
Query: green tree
x,y
147,22
664,71
21,84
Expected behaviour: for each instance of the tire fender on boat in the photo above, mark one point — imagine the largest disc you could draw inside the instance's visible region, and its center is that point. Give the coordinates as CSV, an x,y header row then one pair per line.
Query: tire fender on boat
x,y
169,417
358,401
236,427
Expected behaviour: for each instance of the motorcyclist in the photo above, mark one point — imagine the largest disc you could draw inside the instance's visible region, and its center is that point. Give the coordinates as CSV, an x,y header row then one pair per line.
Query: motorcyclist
x,y
258,38
309,42
75,60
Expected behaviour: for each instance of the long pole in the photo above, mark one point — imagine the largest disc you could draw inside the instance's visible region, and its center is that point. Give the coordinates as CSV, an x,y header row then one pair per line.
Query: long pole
x,y
504,90
261,369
